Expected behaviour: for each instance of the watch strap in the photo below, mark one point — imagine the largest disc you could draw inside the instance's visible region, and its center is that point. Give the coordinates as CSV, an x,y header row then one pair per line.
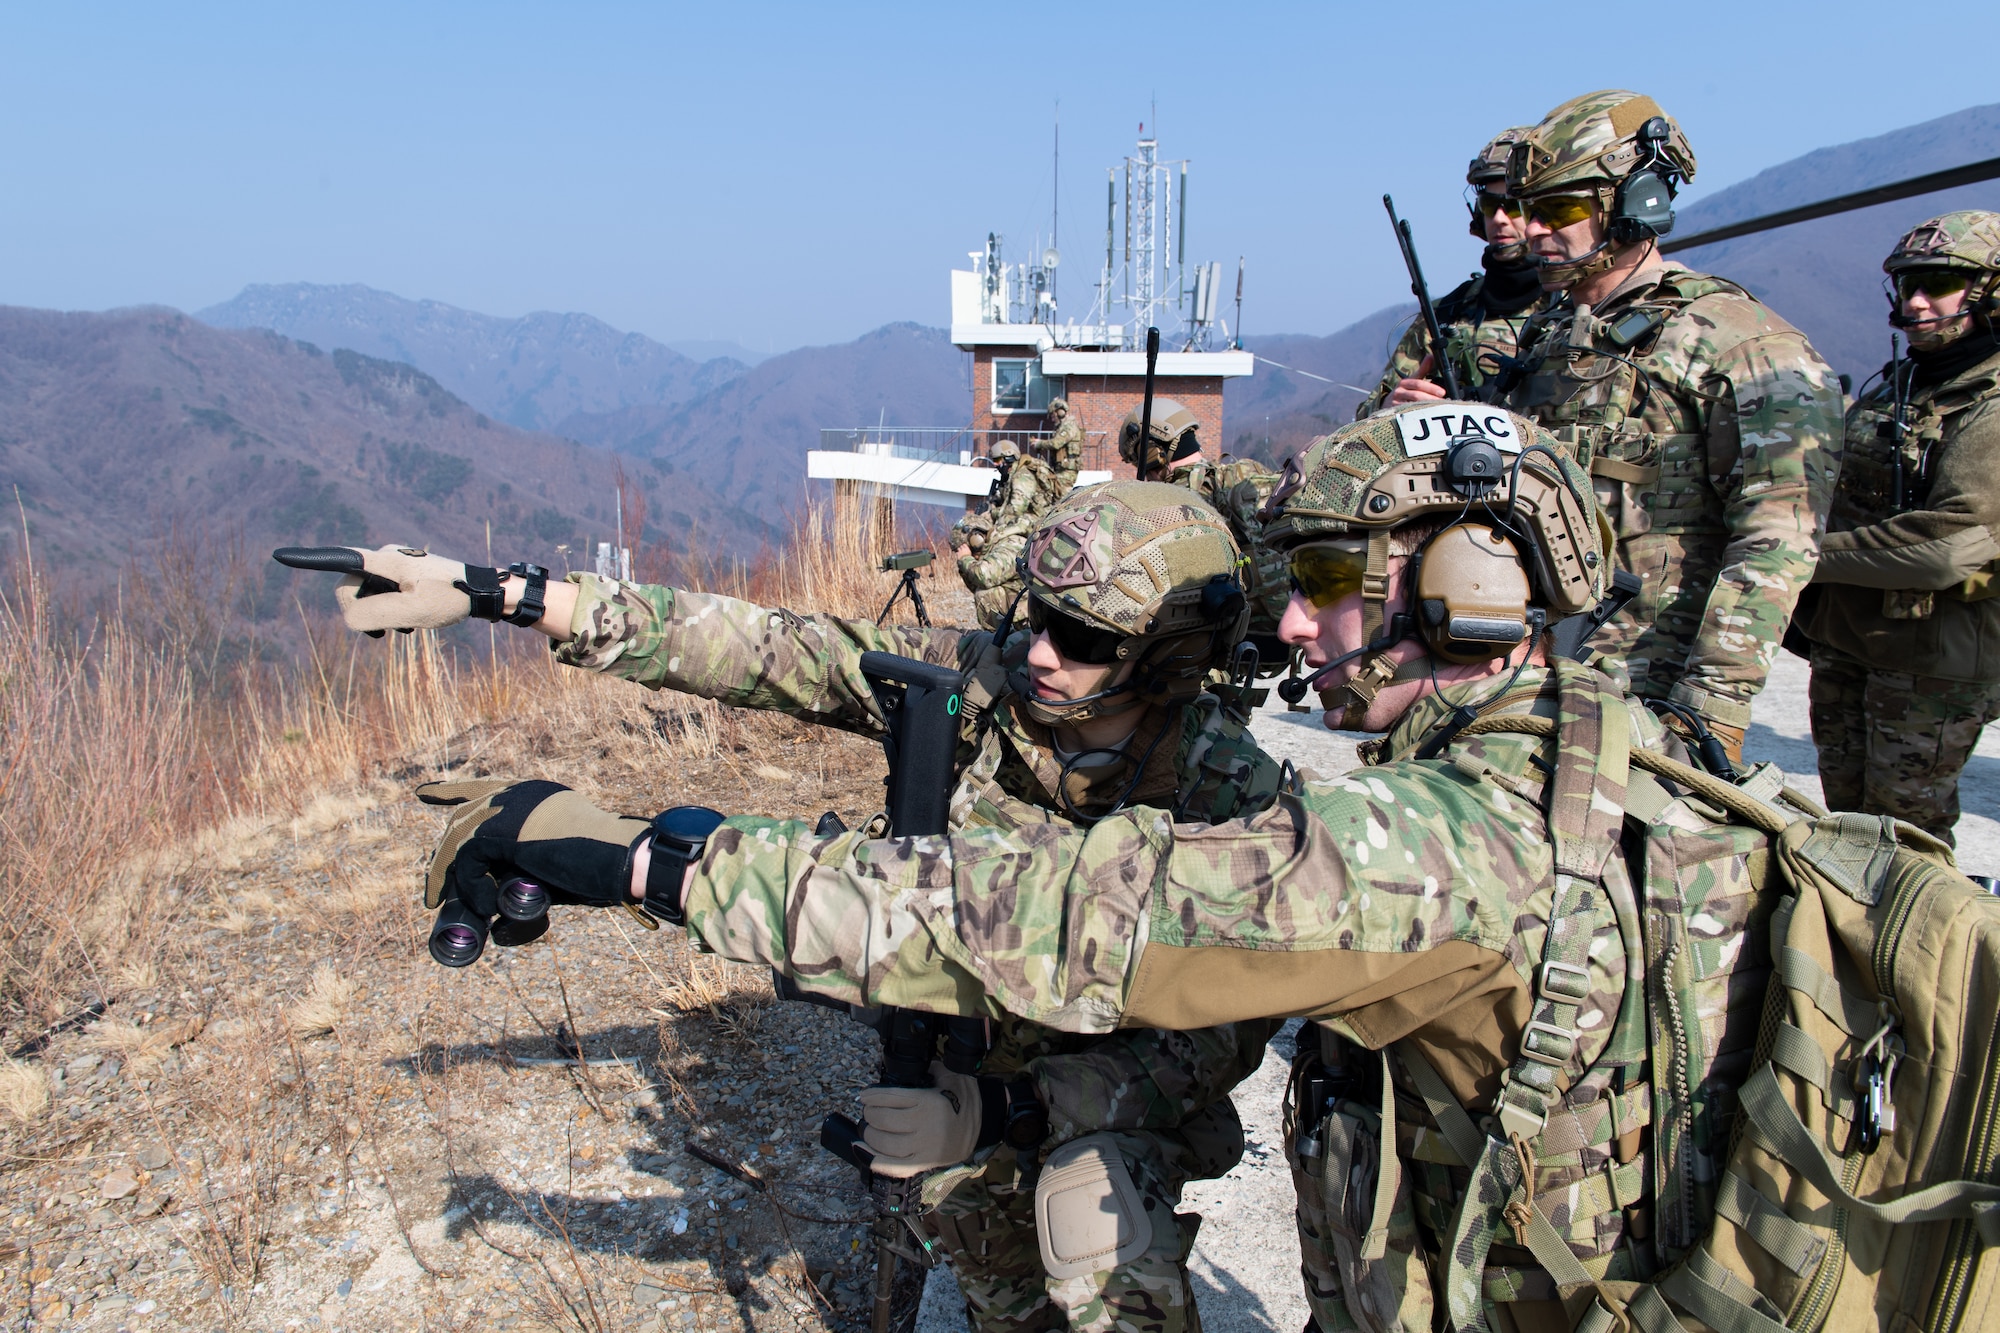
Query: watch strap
x,y
533,596
481,585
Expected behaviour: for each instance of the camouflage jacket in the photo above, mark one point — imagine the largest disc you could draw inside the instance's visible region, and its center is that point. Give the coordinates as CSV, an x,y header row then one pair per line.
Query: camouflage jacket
x,y
1200,757
1713,431
1348,892
1408,904
1064,452
1915,586
1028,490
1237,488
1474,339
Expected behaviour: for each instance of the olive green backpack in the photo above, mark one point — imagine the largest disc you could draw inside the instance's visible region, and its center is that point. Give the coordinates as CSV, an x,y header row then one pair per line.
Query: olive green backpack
x,y
1859,1187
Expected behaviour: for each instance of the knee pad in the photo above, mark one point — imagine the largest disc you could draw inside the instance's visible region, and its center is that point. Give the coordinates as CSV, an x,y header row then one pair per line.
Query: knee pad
x,y
1088,1213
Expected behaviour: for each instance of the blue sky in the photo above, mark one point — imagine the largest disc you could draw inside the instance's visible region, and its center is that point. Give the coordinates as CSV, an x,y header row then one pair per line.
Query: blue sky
x,y
782,175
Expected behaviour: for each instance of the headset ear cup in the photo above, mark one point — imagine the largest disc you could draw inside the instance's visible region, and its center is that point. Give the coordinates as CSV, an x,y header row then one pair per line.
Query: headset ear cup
x,y
1480,584
1642,207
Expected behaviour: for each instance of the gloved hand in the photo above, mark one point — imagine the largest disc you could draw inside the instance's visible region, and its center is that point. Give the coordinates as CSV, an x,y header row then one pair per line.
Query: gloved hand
x,y
541,831
399,587
914,1130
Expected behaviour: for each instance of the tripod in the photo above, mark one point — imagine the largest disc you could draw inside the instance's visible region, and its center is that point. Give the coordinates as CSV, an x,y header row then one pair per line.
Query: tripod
x,y
909,586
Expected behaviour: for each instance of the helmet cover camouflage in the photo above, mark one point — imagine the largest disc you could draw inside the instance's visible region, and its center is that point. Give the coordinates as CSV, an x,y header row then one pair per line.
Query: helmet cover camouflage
x,y
1134,557
1058,405
1387,471
1593,141
1489,167
1967,239
1171,424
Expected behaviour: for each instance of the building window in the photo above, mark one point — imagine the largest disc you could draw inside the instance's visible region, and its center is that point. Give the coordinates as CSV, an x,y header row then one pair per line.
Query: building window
x,y
1020,386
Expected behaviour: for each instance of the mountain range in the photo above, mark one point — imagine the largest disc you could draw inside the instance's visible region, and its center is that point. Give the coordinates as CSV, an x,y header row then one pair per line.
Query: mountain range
x,y
119,430
313,413
530,372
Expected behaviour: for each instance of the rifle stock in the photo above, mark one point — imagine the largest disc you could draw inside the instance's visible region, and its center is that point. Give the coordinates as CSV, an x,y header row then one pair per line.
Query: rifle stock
x,y
920,703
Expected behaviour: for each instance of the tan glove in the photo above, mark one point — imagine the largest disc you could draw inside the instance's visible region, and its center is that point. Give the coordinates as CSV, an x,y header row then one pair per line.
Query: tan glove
x,y
399,587
914,1130
540,830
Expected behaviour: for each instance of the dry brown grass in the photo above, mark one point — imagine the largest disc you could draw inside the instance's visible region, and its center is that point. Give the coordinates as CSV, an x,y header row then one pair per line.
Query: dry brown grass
x,y
137,768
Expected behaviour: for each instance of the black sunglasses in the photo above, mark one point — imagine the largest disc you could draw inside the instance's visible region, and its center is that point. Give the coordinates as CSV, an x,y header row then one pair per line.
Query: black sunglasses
x,y
1073,638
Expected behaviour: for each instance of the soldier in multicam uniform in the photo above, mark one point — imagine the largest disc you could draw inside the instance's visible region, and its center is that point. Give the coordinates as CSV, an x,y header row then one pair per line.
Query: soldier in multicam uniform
x,y
1905,606
997,536
1236,488
1460,918
1711,427
1483,316
1064,449
1099,704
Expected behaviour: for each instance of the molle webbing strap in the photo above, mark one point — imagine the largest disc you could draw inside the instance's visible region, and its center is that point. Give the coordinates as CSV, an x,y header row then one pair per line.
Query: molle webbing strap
x,y
1612,469
1480,1212
1778,1127
1388,1171
1797,1247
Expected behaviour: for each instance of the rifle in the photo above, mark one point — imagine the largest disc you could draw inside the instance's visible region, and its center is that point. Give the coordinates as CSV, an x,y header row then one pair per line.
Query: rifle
x,y
1440,363
921,705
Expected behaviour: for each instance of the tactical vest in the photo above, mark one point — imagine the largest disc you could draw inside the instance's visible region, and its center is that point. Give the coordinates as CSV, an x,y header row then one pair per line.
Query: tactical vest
x,y
1477,343
1742,1150
1603,384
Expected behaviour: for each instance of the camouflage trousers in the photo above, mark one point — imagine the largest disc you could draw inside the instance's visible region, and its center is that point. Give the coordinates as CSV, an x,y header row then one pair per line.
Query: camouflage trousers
x,y
1653,636
1894,743
992,578
988,1226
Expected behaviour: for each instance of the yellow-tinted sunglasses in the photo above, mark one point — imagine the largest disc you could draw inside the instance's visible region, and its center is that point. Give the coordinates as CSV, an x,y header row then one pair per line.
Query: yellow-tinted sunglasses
x,y
1556,211
1323,572
1932,282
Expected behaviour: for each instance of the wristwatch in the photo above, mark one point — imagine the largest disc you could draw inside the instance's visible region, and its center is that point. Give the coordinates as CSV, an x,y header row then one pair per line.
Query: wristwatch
x,y
1027,1120
531,606
680,835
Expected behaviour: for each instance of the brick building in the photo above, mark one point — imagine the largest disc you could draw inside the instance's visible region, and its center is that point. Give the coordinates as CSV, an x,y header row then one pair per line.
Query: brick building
x,y
1017,368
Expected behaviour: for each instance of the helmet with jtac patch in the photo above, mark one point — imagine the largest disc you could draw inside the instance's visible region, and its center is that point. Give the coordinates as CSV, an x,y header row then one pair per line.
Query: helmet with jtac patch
x,y
1503,532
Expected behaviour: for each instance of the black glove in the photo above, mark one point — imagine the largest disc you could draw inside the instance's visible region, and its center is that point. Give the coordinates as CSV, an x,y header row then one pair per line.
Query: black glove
x,y
539,831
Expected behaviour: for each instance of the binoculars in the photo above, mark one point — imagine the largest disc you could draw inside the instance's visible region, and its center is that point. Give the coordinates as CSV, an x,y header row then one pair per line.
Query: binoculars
x,y
459,935
905,560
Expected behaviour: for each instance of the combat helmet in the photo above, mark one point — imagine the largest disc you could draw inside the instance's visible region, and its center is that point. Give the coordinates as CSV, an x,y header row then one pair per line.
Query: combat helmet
x,y
1964,245
1504,532
1058,405
1004,453
1133,571
1171,438
1489,167
1616,147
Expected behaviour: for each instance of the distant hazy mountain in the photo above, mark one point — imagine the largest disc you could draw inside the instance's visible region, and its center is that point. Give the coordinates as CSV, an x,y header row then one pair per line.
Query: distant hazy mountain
x,y
746,440
530,372
1277,411
1826,276
119,427
704,350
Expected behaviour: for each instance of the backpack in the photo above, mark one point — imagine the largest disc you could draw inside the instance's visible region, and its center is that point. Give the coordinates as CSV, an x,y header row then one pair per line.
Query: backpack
x,y
1824,1111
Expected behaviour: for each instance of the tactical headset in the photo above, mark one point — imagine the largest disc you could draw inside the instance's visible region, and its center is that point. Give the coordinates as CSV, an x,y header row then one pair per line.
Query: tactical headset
x,y
1472,582
1642,207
